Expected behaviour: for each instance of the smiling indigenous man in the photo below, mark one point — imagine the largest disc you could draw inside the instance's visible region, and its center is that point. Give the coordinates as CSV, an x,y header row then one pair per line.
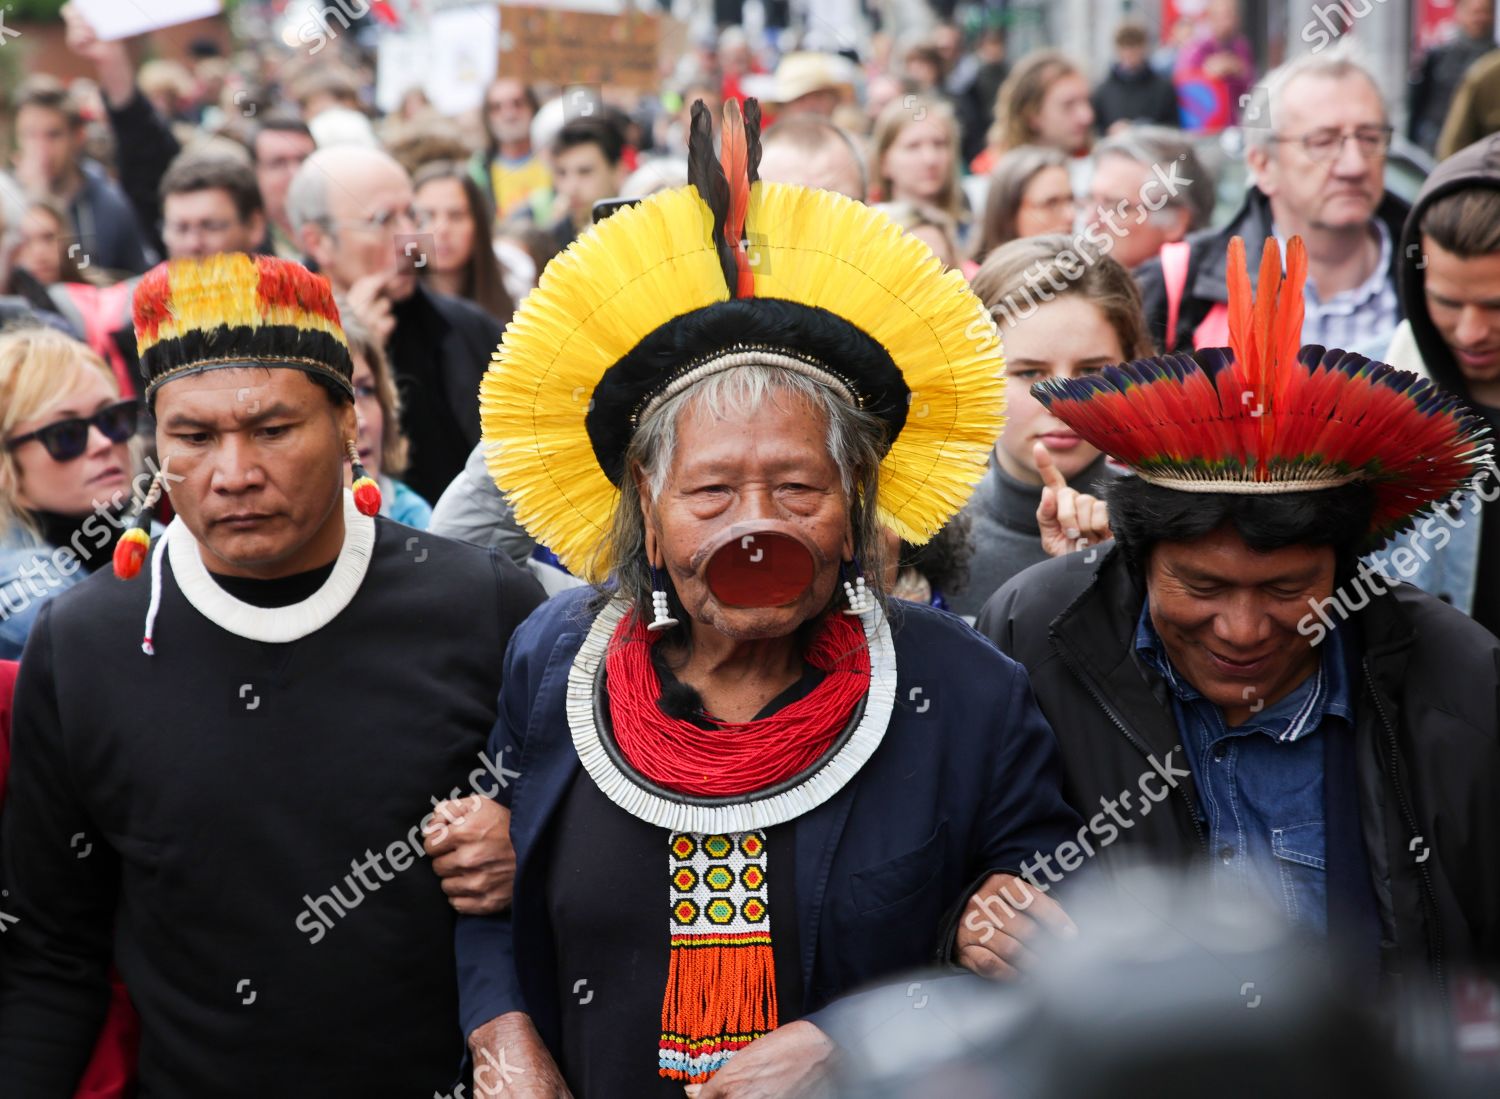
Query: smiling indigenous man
x,y
229,809
1332,742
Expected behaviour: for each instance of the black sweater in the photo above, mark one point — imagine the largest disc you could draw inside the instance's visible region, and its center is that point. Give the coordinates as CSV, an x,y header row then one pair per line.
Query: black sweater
x,y
198,799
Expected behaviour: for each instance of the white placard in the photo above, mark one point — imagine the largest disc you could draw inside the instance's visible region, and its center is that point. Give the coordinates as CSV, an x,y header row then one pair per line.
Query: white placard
x,y
465,55
402,62
114,19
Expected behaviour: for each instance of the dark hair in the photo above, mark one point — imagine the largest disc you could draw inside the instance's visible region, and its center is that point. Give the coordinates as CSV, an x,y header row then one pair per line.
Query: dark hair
x,y
1142,514
944,559
1466,222
591,131
484,283
48,93
191,173
277,124
1130,34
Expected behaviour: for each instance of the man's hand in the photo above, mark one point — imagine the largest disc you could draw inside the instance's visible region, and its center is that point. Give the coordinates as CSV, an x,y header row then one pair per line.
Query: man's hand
x,y
1000,930
469,843
1070,520
792,1062
111,60
511,1061
371,304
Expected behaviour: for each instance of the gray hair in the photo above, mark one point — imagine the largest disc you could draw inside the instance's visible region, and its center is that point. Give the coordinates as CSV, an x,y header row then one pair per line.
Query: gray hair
x,y
1334,64
1162,145
307,197
855,439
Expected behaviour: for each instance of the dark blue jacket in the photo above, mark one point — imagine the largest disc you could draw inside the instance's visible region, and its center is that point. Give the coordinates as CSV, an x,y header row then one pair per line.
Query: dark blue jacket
x,y
966,782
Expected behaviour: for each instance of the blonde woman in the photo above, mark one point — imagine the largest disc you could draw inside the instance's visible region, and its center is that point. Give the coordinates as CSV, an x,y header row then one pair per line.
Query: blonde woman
x,y
915,147
67,458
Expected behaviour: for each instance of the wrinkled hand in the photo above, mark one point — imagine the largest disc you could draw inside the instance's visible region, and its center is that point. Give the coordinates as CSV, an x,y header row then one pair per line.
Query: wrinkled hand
x,y
999,931
469,843
511,1061
792,1062
368,299
1070,520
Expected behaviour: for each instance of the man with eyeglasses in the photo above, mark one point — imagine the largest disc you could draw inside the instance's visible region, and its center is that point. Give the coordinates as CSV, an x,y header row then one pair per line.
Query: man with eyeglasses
x,y
509,170
210,204
352,211
1317,134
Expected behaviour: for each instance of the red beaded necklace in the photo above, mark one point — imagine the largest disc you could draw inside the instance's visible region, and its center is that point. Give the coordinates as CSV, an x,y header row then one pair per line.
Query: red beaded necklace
x,y
732,758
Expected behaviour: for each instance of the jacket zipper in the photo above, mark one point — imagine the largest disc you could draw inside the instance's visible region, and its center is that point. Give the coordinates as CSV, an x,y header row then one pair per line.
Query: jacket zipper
x,y
1429,895
1139,744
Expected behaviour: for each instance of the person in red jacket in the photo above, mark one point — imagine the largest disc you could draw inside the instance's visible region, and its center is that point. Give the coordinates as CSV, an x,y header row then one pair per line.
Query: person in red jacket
x,y
111,1072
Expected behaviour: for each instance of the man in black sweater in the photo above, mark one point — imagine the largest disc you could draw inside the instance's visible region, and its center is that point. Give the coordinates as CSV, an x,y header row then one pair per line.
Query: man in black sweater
x,y
232,811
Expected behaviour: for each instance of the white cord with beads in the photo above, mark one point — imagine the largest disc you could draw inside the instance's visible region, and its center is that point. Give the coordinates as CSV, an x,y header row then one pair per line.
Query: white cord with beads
x,y
858,596
661,615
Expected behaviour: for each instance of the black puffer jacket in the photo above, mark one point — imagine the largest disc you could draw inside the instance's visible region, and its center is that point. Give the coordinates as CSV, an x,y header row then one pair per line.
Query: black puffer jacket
x,y
1427,744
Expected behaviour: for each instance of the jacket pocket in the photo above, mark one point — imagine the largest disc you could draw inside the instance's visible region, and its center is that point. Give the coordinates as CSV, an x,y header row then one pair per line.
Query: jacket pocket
x,y
1300,851
902,877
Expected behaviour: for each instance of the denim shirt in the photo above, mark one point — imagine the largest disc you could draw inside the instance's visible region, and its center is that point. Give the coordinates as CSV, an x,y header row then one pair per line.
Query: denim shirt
x,y
1260,783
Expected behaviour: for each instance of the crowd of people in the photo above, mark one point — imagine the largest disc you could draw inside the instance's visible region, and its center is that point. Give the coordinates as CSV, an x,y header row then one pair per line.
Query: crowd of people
x,y
833,491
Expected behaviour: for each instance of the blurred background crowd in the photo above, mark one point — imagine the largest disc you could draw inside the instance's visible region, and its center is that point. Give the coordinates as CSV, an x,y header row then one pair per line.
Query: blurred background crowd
x,y
431,159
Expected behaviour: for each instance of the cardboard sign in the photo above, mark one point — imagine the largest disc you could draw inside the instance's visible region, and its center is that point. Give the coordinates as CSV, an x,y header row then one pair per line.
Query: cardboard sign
x,y
579,47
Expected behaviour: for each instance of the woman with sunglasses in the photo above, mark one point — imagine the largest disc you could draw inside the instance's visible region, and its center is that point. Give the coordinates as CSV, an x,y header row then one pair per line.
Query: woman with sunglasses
x,y
66,463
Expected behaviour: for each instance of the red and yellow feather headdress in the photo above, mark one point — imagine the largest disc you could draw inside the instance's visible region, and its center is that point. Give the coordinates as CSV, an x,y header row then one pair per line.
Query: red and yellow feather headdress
x,y
1265,416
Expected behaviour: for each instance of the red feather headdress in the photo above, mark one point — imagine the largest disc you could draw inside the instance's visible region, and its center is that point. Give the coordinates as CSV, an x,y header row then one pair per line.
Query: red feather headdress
x,y
1262,416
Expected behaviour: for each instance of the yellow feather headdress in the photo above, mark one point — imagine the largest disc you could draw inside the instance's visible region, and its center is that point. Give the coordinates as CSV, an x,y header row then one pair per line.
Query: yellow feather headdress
x,y
676,254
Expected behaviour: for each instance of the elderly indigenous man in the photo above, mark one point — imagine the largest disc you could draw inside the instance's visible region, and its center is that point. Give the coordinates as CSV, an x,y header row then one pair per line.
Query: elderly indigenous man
x,y
1330,739
747,785
230,811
